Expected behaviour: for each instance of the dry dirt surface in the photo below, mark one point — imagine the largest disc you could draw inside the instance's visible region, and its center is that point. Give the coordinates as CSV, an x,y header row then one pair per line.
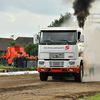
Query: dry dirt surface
x,y
29,87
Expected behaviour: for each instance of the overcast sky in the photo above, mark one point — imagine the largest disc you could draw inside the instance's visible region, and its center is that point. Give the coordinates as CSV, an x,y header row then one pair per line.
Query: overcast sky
x,y
25,17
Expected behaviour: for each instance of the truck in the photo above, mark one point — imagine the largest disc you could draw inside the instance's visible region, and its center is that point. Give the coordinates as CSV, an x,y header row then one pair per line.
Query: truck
x,y
12,51
60,52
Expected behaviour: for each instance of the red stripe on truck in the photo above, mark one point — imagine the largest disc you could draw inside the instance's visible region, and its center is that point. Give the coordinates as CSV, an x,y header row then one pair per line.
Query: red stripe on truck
x,y
56,69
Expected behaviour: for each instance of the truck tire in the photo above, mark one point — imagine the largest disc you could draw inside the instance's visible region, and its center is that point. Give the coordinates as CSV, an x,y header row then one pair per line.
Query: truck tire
x,y
43,76
79,76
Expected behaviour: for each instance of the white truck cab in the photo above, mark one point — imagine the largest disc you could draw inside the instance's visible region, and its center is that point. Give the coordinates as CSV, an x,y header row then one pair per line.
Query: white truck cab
x,y
58,52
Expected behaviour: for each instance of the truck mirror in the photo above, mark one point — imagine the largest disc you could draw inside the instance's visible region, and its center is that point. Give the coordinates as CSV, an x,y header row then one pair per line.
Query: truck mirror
x,y
82,38
36,38
79,33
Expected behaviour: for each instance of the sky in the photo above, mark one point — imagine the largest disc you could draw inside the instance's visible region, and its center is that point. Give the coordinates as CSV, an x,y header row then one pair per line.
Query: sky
x,y
24,18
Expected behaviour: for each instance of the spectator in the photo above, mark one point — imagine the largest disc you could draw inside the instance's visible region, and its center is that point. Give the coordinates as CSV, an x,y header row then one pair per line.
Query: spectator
x,y
0,60
21,60
18,61
3,57
37,61
35,58
24,61
4,60
14,61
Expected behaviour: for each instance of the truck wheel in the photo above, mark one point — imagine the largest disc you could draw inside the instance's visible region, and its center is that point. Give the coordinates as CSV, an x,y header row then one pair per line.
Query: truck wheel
x,y
79,76
43,76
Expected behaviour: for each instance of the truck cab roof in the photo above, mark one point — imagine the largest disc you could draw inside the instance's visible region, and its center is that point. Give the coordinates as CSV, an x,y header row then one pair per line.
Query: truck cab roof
x,y
61,29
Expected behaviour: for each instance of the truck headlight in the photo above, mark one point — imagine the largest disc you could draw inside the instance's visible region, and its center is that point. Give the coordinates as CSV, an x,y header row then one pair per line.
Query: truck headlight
x,y
41,69
70,69
71,62
41,62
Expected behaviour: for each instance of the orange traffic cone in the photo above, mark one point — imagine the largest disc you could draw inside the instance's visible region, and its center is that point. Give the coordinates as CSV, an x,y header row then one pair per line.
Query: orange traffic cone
x,y
5,70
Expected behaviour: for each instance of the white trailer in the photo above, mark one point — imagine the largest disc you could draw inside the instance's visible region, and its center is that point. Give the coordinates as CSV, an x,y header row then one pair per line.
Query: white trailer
x,y
58,52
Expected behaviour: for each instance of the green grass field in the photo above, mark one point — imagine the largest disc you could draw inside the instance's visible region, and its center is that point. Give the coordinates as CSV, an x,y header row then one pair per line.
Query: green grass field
x,y
3,67
96,97
11,67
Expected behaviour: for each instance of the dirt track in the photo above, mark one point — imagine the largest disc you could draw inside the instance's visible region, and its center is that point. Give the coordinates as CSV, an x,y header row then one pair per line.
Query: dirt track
x,y
29,87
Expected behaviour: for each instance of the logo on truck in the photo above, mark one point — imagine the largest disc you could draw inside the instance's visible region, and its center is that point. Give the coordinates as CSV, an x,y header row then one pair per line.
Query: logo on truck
x,y
67,47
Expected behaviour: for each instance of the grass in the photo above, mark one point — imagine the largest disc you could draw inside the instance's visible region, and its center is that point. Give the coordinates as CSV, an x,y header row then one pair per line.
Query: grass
x,y
1,66
96,97
11,67
1,69
5,67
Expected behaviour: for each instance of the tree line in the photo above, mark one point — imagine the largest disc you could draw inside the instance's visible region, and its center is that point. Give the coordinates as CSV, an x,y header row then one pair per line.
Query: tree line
x,y
62,18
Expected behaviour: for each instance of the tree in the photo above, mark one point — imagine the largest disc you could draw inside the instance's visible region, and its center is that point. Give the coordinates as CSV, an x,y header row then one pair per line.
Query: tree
x,y
24,46
35,50
12,43
31,49
58,22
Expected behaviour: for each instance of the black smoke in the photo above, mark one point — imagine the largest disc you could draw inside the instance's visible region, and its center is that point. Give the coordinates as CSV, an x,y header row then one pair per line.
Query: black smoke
x,y
81,10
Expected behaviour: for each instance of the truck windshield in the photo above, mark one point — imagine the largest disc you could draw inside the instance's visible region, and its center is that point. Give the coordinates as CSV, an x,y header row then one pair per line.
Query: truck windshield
x,y
58,38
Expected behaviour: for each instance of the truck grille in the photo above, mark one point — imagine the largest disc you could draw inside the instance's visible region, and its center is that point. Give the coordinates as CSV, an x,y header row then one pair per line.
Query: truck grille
x,y
56,64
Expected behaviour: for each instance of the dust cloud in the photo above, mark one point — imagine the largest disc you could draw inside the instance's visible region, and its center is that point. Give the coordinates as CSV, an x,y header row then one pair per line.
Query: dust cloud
x,y
92,54
92,46
71,22
92,42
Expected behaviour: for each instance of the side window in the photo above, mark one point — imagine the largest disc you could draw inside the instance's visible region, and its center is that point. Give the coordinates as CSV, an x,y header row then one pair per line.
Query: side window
x,y
41,38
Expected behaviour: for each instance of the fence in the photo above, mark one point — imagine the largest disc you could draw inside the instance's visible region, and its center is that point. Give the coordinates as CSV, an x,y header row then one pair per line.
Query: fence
x,y
31,63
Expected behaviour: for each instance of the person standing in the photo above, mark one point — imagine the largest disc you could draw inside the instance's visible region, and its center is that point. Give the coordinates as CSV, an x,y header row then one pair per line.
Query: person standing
x,y
37,61
17,61
24,61
0,60
14,61
21,60
3,59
